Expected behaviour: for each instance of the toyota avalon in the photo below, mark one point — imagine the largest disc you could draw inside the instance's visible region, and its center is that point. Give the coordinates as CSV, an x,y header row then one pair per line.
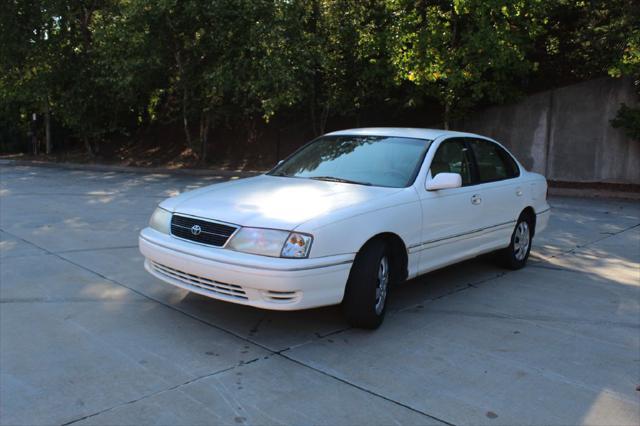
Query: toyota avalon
x,y
345,218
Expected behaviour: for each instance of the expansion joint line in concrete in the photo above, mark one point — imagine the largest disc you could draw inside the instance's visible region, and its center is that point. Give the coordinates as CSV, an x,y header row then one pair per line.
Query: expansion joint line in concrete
x,y
279,353
152,394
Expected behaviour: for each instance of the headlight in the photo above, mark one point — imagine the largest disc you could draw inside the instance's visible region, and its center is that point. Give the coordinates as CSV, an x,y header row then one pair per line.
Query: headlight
x,y
161,220
271,242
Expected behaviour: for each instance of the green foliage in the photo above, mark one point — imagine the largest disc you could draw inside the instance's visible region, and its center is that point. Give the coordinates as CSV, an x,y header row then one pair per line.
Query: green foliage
x,y
345,56
584,39
115,67
628,119
467,50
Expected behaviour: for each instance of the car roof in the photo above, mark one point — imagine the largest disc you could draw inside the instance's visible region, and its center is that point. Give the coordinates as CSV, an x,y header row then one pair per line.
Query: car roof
x,y
407,132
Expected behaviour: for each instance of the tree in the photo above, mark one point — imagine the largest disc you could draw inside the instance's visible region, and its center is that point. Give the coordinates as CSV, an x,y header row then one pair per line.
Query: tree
x,y
30,61
582,40
628,118
225,59
465,51
52,66
343,57
100,69
256,69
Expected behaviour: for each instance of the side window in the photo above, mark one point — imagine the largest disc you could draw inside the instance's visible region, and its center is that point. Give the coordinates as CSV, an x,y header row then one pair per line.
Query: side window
x,y
452,157
493,163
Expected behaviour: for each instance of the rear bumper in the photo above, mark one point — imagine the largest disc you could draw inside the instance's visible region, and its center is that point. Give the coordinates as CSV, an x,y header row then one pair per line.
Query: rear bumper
x,y
263,282
542,220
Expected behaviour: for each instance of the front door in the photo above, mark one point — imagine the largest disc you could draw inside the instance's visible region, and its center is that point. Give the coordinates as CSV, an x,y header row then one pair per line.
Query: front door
x,y
449,215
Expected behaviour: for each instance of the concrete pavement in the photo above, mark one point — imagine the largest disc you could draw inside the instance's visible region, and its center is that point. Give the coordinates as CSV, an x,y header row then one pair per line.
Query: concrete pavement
x,y
88,337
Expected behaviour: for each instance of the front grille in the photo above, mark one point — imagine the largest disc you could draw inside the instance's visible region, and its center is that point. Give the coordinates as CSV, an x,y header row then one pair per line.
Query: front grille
x,y
229,290
210,233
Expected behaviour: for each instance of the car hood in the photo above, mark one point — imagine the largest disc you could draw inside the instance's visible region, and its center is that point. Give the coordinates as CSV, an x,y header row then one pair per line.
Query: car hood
x,y
273,201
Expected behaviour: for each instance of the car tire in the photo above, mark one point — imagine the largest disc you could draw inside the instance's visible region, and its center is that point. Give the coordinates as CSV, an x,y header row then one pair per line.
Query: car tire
x,y
515,256
367,291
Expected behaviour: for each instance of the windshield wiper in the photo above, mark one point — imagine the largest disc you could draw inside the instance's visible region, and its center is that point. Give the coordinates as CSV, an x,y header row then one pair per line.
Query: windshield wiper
x,y
335,179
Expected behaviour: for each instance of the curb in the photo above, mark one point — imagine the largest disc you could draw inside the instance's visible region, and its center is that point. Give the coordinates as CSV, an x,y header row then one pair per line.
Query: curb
x,y
594,193
130,169
580,192
622,191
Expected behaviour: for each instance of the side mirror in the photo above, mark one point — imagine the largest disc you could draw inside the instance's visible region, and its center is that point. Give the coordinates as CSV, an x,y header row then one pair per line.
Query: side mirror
x,y
444,181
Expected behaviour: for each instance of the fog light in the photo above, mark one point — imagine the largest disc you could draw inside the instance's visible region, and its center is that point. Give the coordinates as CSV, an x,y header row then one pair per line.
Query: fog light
x,y
297,245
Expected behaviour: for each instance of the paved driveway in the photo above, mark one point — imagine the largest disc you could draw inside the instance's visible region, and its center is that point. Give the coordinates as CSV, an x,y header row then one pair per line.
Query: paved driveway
x,y
88,337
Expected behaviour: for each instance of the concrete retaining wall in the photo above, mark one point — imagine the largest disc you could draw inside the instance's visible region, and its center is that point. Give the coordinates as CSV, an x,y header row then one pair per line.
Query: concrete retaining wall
x,y
565,133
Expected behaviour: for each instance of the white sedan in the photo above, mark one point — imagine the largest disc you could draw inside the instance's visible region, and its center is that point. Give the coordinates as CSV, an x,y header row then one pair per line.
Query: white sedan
x,y
345,218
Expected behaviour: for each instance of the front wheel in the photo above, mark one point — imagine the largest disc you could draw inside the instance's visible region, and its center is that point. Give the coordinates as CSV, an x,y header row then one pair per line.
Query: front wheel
x,y
366,294
515,256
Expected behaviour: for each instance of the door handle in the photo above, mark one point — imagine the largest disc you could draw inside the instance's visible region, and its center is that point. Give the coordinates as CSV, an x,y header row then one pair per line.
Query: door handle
x,y
475,199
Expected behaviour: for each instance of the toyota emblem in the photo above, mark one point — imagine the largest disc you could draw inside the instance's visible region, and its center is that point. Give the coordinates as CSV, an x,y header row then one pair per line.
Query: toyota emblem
x,y
196,229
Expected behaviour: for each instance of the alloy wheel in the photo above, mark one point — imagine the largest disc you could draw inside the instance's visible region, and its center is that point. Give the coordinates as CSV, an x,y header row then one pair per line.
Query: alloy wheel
x,y
521,241
382,284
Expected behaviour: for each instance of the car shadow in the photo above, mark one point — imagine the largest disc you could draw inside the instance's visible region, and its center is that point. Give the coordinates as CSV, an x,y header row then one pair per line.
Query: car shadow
x,y
279,330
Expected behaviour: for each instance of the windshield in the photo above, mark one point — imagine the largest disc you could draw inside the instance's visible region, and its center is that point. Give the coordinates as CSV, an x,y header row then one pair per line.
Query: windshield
x,y
366,160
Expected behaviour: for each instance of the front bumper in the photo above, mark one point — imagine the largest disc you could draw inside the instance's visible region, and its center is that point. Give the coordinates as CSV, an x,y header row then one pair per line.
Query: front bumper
x,y
263,282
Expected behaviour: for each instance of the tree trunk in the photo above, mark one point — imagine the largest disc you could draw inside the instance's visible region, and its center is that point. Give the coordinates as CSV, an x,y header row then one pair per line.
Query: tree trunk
x,y
185,102
87,146
33,135
205,122
312,111
323,120
447,113
35,144
315,77
47,128
185,121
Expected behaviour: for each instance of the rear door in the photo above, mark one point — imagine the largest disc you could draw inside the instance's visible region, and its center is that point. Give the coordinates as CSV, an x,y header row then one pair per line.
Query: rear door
x,y
498,187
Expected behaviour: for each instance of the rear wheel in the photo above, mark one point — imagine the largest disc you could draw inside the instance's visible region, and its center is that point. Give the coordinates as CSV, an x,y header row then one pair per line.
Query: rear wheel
x,y
515,256
367,291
